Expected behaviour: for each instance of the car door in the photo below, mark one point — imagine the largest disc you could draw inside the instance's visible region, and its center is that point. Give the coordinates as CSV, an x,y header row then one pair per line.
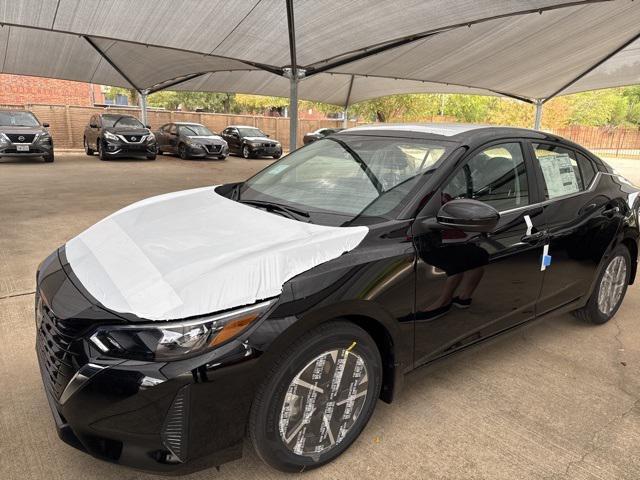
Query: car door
x,y
582,213
233,140
161,137
470,286
91,131
172,138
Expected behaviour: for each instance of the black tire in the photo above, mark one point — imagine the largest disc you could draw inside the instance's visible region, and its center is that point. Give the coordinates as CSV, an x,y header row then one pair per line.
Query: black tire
x,y
101,155
592,311
89,151
277,156
159,152
344,339
151,157
246,153
182,152
49,158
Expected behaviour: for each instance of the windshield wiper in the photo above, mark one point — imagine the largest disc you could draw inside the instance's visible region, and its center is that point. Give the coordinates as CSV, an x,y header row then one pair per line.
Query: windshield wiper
x,y
291,212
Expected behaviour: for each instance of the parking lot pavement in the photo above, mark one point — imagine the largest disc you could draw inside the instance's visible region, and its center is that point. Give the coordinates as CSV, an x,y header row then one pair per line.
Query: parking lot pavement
x,y
557,399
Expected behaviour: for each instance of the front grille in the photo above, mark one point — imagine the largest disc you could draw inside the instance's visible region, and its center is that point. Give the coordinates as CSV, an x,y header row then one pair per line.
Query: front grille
x,y
54,345
214,148
134,138
21,137
269,145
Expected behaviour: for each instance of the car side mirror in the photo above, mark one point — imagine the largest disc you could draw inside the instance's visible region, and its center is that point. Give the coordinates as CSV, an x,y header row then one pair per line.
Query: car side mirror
x,y
93,125
468,215
148,126
267,135
45,125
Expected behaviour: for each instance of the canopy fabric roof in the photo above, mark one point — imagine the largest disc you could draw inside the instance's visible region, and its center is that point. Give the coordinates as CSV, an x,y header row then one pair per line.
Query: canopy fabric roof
x,y
350,50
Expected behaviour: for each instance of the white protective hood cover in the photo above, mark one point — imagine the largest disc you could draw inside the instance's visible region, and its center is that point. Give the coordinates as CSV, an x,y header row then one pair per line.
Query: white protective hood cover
x,y
195,252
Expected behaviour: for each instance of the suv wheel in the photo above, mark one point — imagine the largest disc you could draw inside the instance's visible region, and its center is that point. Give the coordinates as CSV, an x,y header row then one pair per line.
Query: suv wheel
x,y
317,398
101,154
610,289
49,158
87,149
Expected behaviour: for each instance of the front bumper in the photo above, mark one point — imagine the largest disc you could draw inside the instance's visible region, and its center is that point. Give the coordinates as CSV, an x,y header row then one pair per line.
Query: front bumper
x,y
35,150
265,151
168,417
208,151
124,150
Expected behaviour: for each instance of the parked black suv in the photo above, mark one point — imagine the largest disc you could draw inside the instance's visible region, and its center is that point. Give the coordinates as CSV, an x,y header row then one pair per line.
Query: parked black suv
x,y
251,142
22,135
118,136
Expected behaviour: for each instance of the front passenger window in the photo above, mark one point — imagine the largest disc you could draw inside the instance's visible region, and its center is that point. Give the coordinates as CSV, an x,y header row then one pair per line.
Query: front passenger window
x,y
497,176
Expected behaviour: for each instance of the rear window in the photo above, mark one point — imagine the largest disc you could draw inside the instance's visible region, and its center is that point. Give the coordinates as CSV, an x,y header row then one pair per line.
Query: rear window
x,y
564,171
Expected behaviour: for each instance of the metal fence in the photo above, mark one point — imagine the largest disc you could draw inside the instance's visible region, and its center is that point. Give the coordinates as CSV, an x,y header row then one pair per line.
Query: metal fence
x,y
606,142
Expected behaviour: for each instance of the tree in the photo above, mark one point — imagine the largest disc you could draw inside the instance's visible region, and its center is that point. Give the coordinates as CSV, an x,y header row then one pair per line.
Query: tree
x,y
210,102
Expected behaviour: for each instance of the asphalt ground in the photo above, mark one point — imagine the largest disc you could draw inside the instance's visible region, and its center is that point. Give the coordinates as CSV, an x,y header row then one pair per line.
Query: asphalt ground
x,y
556,399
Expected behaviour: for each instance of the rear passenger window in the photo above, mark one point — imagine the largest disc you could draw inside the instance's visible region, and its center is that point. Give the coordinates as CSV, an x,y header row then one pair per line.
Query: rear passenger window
x,y
564,172
496,176
587,168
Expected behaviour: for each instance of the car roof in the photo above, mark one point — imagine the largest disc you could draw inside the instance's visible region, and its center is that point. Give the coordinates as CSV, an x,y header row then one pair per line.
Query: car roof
x,y
117,115
241,126
456,132
185,123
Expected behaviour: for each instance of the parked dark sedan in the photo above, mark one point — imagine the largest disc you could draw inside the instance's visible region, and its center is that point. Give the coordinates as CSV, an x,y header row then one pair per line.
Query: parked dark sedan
x,y
22,135
118,136
318,134
285,306
190,140
251,142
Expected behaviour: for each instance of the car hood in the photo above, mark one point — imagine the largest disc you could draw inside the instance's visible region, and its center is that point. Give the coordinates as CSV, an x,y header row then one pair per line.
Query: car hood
x,y
128,130
207,139
195,252
261,139
24,130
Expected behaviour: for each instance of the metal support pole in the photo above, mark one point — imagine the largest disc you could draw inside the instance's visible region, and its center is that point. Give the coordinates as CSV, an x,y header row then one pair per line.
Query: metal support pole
x,y
538,122
143,106
293,112
345,120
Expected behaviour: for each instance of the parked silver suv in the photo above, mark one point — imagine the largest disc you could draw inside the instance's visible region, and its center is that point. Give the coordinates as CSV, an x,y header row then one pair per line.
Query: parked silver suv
x,y
22,135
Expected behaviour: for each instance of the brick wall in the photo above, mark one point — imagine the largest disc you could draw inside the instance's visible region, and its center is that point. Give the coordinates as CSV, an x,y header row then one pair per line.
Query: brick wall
x,y
18,89
67,123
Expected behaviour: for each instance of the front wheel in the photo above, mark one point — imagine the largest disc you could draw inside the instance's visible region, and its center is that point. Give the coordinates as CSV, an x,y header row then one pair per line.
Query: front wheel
x,y
610,289
182,151
317,398
49,158
246,153
87,149
101,154
277,156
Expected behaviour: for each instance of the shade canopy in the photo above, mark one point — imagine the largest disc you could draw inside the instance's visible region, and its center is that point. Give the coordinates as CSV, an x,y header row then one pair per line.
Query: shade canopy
x,y
347,50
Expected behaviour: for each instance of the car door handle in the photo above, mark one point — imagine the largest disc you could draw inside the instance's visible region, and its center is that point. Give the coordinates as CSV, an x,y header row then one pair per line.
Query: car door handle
x,y
610,212
535,238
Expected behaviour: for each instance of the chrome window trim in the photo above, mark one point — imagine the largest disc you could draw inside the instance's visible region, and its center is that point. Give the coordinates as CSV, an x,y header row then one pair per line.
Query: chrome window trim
x,y
592,187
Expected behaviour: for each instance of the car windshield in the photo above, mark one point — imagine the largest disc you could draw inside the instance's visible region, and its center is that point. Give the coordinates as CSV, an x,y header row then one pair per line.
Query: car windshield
x,y
121,121
340,179
18,119
195,131
251,132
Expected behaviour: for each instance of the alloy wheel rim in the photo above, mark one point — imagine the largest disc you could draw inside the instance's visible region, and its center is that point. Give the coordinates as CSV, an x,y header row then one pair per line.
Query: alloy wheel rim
x,y
612,285
323,402
245,152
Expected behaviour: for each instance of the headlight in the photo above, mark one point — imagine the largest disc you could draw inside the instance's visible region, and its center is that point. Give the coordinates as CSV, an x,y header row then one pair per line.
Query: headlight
x,y
111,136
44,138
151,137
194,144
174,340
4,140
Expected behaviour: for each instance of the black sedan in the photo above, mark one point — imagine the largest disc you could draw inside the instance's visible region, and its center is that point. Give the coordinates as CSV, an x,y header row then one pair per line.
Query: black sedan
x,y
118,136
251,142
318,134
285,306
190,140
